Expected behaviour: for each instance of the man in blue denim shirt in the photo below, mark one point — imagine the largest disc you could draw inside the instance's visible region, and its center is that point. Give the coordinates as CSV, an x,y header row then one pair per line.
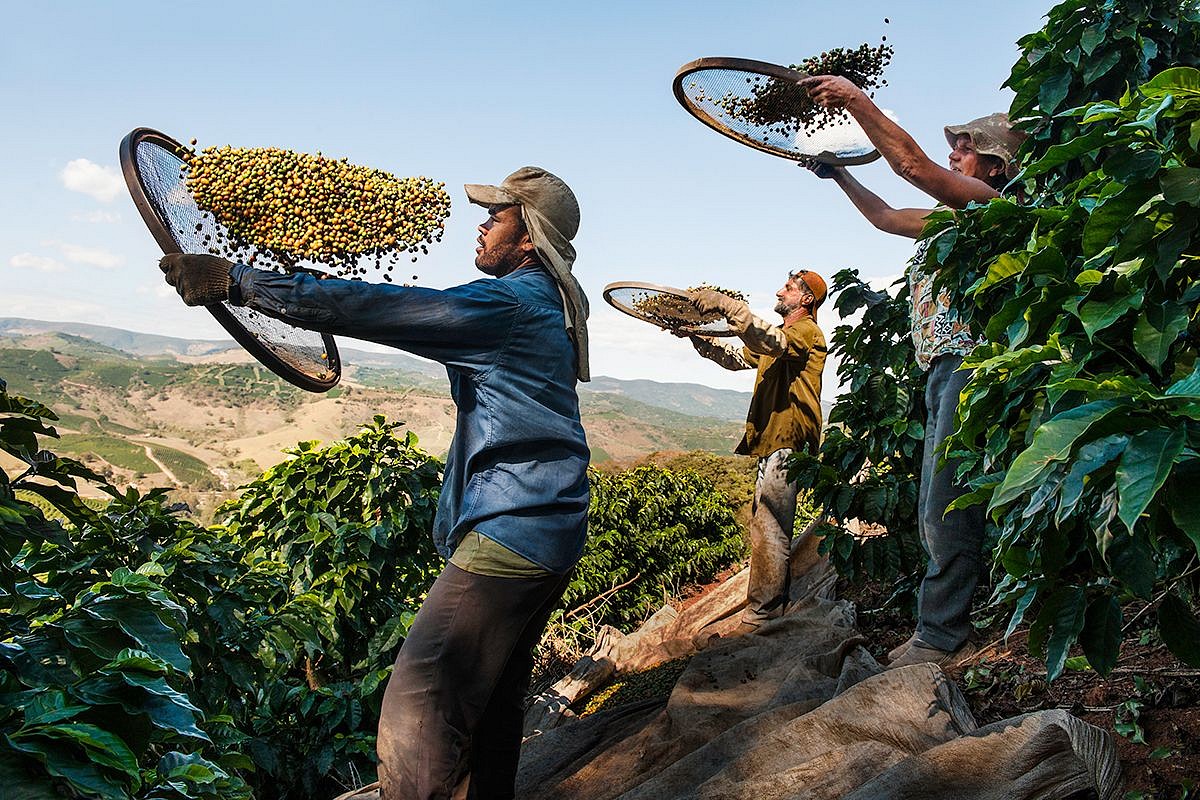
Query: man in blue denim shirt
x,y
512,517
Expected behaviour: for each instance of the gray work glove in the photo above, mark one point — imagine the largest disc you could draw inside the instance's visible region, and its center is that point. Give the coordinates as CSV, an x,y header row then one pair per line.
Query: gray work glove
x,y
710,301
201,280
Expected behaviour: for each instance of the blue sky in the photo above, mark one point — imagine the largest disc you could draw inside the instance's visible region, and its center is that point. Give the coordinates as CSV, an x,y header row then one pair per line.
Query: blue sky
x,y
467,92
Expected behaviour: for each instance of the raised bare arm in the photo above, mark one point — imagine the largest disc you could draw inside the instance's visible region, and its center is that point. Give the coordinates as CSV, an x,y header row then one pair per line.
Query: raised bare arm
x,y
899,221
900,150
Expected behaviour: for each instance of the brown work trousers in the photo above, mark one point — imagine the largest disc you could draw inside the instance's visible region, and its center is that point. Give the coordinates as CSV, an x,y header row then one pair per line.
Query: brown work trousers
x,y
454,705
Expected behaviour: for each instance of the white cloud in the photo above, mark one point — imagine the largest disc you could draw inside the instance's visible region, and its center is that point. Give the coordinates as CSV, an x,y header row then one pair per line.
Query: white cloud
x,y
92,179
99,217
92,256
31,261
51,306
159,290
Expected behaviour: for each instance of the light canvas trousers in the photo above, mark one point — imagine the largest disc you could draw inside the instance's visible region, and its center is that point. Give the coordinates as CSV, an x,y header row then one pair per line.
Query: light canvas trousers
x,y
774,515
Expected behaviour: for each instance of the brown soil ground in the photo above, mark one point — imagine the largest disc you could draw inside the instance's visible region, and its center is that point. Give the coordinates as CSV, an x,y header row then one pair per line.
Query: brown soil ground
x,y
693,592
1150,702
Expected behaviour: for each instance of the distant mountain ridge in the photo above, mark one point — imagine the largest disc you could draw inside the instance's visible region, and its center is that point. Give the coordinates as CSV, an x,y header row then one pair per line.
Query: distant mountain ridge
x,y
152,344
138,344
686,398
689,399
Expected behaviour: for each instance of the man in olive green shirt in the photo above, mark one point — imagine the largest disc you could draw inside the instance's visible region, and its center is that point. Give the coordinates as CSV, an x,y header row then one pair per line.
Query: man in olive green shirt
x,y
784,416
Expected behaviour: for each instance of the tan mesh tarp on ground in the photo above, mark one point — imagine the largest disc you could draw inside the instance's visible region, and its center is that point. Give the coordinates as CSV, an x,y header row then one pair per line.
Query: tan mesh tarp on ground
x,y
798,710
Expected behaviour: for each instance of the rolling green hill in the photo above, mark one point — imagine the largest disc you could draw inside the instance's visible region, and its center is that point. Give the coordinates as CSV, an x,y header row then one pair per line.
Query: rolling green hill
x,y
203,417
390,370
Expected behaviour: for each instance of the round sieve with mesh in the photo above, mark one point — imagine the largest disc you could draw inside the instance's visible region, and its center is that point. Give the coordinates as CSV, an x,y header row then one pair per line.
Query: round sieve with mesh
x,y
761,105
665,307
156,176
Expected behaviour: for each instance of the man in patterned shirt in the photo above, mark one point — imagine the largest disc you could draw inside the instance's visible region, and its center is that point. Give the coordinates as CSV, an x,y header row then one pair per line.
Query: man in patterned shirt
x,y
981,162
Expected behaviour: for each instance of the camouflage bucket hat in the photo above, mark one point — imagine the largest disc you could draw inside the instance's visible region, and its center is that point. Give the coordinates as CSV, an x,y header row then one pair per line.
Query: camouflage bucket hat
x,y
992,135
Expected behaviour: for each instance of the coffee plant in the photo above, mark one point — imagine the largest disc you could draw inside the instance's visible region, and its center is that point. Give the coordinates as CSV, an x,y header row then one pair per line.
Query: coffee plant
x,y
348,527
651,531
94,661
339,518
1080,429
143,656
869,464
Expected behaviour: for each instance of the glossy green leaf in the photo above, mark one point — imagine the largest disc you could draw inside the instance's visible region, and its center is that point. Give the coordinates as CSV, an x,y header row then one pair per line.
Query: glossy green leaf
x,y
1147,118
1176,80
1068,622
1077,664
1061,154
1092,37
1132,166
1054,90
145,627
1187,387
1097,315
1101,634
162,706
1092,456
84,776
1112,214
1157,329
1100,67
1181,185
1004,267
1132,563
52,705
1184,499
1171,246
1039,629
103,747
139,660
1052,442
1179,629
1019,611
1101,111
1144,467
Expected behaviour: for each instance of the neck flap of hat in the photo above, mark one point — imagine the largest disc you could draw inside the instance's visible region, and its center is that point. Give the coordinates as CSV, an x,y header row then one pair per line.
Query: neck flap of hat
x,y
558,256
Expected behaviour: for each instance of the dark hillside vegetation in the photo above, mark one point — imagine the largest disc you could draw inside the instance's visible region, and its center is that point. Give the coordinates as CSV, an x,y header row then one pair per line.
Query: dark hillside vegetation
x,y
144,656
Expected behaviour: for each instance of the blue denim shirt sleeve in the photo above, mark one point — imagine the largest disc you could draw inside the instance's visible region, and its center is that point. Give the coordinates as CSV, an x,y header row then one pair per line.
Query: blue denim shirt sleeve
x,y
516,469
458,327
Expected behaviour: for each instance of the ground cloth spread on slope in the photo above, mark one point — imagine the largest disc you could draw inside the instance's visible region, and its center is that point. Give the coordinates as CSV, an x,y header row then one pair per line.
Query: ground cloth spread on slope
x,y
797,710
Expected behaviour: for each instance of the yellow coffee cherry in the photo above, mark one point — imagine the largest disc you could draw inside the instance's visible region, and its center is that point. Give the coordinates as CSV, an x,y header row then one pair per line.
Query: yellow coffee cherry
x,y
295,206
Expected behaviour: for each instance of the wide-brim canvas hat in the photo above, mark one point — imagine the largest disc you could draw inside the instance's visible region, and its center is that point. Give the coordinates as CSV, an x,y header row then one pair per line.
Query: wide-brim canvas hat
x,y
551,215
992,135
